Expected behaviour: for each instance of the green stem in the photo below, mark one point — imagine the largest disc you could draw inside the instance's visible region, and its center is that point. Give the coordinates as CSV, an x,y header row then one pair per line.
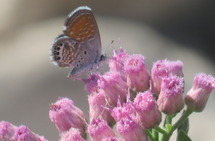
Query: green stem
x,y
150,135
155,134
168,119
158,129
163,134
186,114
183,118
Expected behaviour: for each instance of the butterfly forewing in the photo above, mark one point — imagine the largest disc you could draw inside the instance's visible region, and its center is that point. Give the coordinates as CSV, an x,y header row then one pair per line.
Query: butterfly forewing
x,y
81,25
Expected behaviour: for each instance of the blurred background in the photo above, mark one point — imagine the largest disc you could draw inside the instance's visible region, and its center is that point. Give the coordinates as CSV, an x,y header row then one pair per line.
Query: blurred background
x,y
29,82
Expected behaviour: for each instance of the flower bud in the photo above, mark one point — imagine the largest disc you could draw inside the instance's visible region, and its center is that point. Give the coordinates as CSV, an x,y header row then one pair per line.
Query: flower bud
x,y
91,84
98,129
162,69
65,115
24,134
71,135
110,139
99,107
116,63
170,100
197,96
126,110
114,86
175,68
148,115
137,75
7,131
130,130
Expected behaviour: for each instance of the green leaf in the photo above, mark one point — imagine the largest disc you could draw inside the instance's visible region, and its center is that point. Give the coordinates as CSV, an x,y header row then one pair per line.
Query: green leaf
x,y
169,127
182,136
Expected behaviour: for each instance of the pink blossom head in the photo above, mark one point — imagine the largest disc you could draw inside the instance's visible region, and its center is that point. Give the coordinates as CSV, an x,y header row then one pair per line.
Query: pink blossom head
x,y
110,139
137,74
65,115
116,63
162,69
99,107
114,86
71,135
198,95
98,129
170,100
175,68
23,133
123,111
91,84
7,130
148,115
130,130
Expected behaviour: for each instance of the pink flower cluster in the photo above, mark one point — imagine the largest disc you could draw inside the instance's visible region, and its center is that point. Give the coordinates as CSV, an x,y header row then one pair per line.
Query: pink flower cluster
x,y
129,96
10,132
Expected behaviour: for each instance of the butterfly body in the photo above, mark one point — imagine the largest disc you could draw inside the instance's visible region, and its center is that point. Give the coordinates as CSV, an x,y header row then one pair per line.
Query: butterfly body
x,y
80,45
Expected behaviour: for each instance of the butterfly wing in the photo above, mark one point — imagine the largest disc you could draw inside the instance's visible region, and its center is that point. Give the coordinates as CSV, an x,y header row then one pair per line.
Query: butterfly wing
x,y
80,45
81,26
65,51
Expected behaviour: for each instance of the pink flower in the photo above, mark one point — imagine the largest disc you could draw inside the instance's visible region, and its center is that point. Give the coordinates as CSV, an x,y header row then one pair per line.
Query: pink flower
x,y
98,129
24,134
114,86
137,75
148,115
198,95
116,63
66,115
99,107
123,111
71,135
175,68
91,84
110,139
162,69
129,130
7,131
170,100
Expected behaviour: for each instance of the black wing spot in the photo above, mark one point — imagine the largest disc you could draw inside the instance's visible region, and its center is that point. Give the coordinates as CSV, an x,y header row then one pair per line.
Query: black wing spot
x,y
56,53
85,52
60,44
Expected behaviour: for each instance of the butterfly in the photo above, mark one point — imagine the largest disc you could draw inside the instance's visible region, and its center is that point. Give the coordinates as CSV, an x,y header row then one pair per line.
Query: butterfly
x,y
80,45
